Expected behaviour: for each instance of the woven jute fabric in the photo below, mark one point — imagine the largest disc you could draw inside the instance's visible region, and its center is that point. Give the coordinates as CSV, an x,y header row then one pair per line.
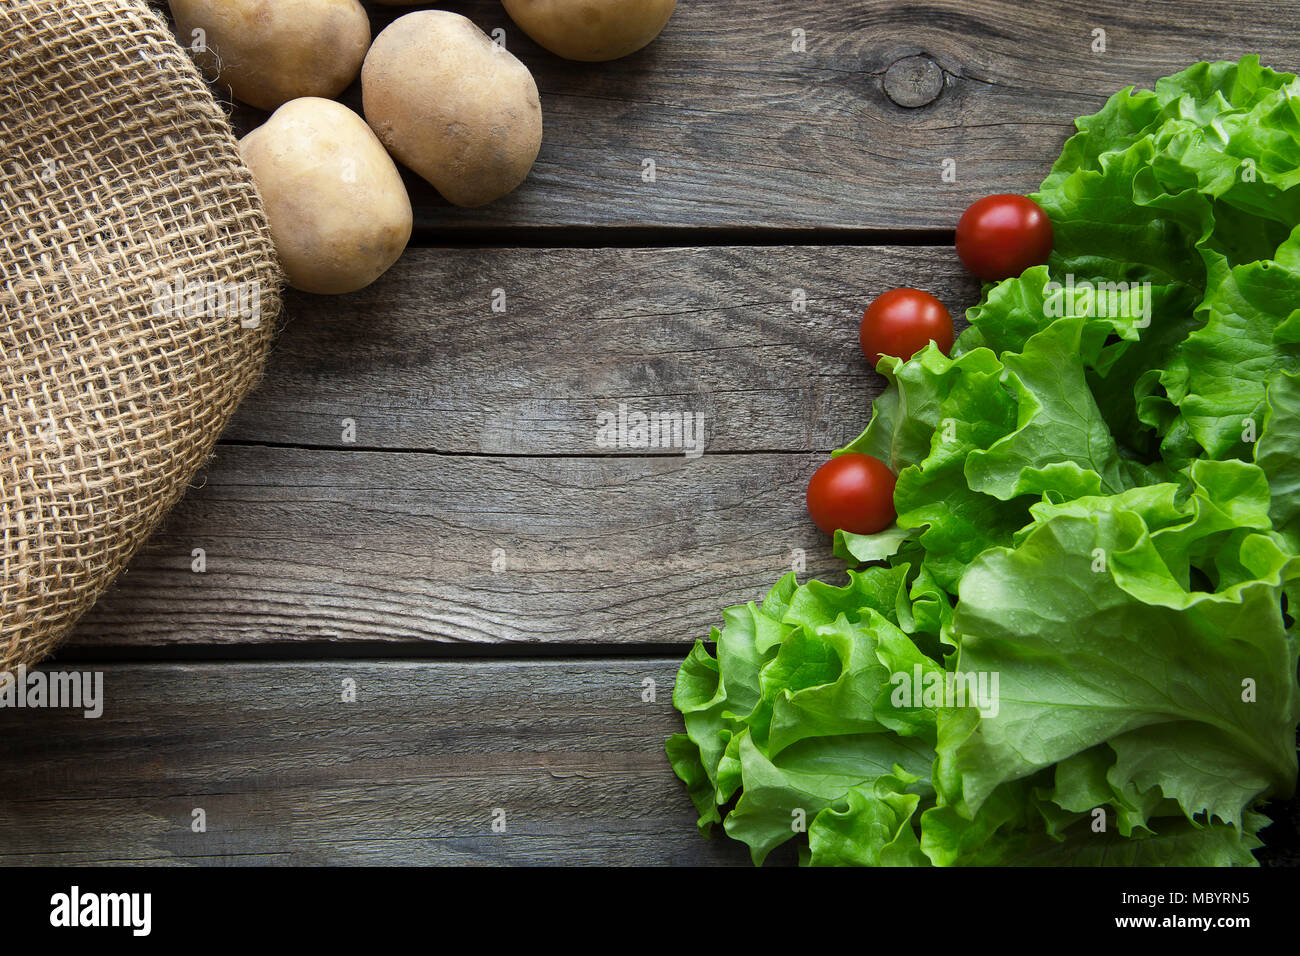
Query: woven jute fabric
x,y
139,295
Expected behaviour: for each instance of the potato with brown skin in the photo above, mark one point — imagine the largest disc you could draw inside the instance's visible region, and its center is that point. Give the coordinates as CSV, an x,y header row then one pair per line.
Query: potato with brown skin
x,y
271,51
337,206
452,105
591,30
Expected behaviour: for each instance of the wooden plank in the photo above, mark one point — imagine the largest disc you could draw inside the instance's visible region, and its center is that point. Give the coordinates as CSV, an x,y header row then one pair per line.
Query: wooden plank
x,y
420,360
286,773
746,132
344,542
323,545
409,773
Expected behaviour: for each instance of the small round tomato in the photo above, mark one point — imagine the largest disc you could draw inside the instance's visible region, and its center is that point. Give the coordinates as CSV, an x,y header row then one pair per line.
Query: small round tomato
x,y
1001,236
901,322
853,492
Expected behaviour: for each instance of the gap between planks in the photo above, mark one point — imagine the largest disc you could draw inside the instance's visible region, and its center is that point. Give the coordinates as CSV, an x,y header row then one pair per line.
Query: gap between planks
x,y
446,453
308,652
671,237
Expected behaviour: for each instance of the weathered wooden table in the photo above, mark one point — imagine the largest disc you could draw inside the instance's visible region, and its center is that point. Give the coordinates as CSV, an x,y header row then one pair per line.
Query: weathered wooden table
x,y
415,500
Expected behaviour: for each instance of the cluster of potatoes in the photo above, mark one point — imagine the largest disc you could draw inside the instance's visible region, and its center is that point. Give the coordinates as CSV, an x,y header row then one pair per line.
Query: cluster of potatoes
x,y
438,95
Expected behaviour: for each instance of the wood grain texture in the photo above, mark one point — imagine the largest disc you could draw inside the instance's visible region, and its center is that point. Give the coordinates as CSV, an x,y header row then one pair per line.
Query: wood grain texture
x,y
409,773
476,503
323,545
287,773
420,360
745,132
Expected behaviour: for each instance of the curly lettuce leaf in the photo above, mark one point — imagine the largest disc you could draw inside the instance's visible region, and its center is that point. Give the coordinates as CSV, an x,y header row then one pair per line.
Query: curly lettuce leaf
x,y
1098,506
1096,640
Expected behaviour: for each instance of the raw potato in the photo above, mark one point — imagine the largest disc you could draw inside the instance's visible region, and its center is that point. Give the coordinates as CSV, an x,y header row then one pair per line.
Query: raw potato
x,y
338,209
452,105
271,51
591,30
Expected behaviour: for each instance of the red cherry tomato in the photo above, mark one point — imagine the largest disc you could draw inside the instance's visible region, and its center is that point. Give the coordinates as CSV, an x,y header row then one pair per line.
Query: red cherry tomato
x,y
901,322
853,492
1001,236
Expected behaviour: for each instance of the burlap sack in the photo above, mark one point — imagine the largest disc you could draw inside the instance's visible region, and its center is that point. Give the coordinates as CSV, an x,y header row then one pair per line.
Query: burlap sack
x,y
139,296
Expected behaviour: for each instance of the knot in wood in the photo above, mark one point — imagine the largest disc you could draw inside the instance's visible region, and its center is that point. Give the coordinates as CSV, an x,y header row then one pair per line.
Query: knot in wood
x,y
914,81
